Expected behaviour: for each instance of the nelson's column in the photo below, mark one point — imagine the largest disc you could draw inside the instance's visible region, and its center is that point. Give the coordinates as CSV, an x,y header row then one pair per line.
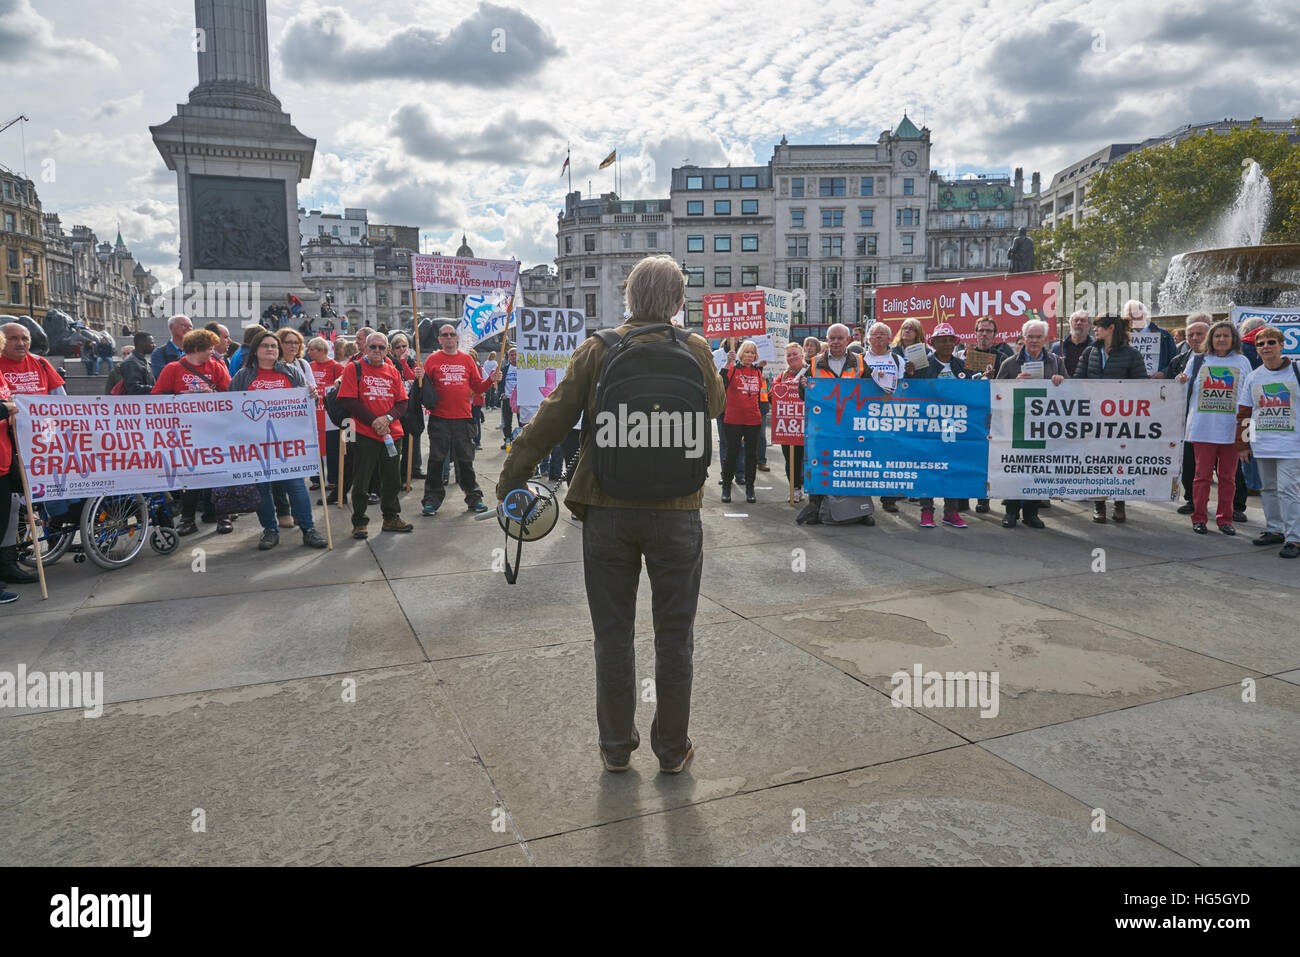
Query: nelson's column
x,y
238,160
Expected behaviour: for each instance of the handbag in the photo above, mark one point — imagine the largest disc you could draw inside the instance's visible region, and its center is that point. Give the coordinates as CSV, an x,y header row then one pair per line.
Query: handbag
x,y
232,499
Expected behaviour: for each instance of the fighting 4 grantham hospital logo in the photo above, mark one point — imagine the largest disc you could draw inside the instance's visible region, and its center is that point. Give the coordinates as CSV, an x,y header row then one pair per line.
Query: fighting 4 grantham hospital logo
x,y
253,408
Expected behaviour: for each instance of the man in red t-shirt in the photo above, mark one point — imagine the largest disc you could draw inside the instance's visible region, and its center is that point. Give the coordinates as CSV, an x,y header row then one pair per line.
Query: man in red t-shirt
x,y
23,372
374,395
456,380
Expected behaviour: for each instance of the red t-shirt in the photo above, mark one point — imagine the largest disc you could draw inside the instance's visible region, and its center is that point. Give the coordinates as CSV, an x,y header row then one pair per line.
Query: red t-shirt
x,y
381,389
6,444
325,373
32,375
270,379
456,379
743,387
180,377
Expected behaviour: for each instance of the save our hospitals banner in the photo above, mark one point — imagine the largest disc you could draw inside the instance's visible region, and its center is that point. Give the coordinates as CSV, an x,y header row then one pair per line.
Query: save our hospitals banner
x,y
81,446
545,340
1085,439
1284,319
928,438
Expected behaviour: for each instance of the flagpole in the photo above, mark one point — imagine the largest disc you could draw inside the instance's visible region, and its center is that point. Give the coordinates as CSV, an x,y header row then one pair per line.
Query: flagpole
x,y
568,166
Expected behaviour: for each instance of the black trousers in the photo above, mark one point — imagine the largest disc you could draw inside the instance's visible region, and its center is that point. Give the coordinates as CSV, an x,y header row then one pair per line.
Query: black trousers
x,y
332,457
454,438
414,447
798,463
1016,506
735,435
370,457
614,540
1189,469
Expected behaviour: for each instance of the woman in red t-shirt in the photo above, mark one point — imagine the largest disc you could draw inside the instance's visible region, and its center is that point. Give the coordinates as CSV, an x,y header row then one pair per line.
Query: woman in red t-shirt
x,y
325,371
413,422
742,418
794,371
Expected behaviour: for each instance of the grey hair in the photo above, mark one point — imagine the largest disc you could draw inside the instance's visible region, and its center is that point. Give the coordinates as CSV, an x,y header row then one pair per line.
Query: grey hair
x,y
880,325
1030,324
655,289
1254,322
1133,309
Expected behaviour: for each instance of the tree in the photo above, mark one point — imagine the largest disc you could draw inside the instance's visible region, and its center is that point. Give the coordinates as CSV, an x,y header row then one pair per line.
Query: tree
x,y
1157,202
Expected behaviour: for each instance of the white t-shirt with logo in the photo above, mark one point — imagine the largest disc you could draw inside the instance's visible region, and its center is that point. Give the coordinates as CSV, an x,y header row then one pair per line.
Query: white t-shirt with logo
x,y
1212,413
1272,396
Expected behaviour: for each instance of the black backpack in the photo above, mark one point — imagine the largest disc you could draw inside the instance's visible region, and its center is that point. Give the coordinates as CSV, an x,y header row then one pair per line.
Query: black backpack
x,y
659,376
333,407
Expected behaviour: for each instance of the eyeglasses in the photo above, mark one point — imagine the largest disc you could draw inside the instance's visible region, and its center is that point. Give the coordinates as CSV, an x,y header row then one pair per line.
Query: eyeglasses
x,y
380,348
1268,342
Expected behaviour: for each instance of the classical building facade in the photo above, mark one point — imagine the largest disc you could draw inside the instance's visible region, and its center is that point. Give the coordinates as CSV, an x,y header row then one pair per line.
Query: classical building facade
x,y
23,282
972,221
540,286
722,230
350,228
343,275
403,237
847,218
599,240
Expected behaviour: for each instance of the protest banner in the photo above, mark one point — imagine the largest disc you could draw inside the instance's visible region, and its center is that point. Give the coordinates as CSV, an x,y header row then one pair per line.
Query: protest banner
x,y
1008,300
1285,319
776,313
545,342
1147,342
738,314
927,439
463,277
787,413
483,317
1086,439
78,446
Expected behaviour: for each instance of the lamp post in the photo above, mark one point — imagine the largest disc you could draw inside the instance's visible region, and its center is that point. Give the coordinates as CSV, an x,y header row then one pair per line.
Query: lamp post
x,y
30,280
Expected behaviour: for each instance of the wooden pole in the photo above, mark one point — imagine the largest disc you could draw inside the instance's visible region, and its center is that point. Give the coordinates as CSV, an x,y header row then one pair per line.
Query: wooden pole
x,y
789,468
33,528
343,448
329,535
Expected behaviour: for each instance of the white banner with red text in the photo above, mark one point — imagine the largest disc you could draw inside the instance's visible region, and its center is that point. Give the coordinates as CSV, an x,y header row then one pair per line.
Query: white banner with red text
x,y
81,446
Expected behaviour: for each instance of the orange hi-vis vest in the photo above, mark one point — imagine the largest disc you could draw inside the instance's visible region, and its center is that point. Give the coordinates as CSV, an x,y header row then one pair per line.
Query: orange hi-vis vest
x,y
851,361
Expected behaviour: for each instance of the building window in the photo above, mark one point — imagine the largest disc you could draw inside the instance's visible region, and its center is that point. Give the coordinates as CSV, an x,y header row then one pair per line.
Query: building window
x,y
722,182
588,272
722,207
722,244
651,240
796,277
865,275
590,311
866,217
695,313
695,182
832,245
695,244
868,187
830,186
871,245
749,244
832,218
947,220
831,277
695,207
329,266
13,259
749,207
909,186
907,274
722,275
625,240
796,246
974,220
568,244
356,230
352,269
627,208
907,244
9,221
383,297
695,276
830,309
568,273
749,275
406,297
568,300
1000,220
999,256
652,205
948,256
748,182
15,292
351,297
589,242
796,218
796,187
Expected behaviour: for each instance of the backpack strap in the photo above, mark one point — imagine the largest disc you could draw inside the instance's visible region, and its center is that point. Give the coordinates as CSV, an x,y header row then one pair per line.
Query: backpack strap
x,y
1191,381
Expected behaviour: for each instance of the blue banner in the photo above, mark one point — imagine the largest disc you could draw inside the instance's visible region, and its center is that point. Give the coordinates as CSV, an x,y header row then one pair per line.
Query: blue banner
x,y
928,439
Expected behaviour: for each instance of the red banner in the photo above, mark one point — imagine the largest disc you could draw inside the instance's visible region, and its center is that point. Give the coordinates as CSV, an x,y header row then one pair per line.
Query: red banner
x,y
787,414
1007,300
734,314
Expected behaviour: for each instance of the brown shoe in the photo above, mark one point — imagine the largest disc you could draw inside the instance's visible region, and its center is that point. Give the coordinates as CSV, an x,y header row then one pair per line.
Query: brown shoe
x,y
1118,514
286,521
359,531
397,525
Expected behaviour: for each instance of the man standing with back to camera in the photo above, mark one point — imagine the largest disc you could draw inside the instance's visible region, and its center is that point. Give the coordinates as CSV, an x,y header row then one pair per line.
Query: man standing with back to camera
x,y
618,531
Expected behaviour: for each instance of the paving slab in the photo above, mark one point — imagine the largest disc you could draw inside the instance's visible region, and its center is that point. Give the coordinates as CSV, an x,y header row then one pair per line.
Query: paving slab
x,y
285,773
477,612
957,807
763,713
512,855
1050,666
1260,563
199,644
1207,775
1291,676
1240,620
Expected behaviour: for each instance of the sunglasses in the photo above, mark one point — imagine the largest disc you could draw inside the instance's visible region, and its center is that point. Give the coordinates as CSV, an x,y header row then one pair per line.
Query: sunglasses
x,y
1268,342
380,348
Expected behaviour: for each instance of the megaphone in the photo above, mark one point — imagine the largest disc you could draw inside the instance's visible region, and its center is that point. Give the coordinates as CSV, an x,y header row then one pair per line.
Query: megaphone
x,y
526,515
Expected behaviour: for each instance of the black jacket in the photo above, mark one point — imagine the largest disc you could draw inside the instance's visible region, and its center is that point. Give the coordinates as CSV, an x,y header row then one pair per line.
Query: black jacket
x,y
1052,365
935,367
1122,363
136,376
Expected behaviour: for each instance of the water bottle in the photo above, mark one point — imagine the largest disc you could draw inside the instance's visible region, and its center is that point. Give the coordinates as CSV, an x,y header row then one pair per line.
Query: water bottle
x,y
390,445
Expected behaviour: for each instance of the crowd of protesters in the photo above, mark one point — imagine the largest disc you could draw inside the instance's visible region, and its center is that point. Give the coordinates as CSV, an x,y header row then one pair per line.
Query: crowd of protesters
x,y
393,399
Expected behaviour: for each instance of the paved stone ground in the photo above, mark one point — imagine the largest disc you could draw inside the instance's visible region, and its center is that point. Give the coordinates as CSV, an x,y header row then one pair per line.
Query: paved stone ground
x,y
472,739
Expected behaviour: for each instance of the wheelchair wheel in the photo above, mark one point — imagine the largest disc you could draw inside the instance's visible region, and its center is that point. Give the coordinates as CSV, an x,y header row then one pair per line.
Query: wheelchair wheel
x,y
163,540
52,544
114,528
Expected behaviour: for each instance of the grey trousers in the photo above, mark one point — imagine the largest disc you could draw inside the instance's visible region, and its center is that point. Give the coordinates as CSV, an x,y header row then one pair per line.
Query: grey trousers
x,y
1281,496
614,540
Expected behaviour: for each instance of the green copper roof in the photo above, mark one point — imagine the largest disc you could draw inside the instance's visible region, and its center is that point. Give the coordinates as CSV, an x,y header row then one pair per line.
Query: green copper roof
x,y
119,237
907,130
976,195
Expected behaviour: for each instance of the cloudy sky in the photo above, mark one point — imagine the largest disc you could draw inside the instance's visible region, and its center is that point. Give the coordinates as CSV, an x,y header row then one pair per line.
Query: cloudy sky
x,y
419,119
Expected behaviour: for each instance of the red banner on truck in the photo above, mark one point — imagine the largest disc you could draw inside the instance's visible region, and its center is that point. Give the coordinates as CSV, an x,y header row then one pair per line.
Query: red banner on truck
x,y
1007,300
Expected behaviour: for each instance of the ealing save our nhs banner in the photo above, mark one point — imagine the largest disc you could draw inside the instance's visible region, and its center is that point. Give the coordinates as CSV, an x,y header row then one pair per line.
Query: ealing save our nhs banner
x,y
929,438
1085,439
80,446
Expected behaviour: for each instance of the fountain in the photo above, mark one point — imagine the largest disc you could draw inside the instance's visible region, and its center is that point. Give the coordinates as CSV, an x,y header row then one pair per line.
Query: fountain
x,y
1240,271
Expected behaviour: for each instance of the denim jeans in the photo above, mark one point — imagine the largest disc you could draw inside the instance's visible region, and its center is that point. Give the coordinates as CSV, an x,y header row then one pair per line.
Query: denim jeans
x,y
762,440
299,504
614,540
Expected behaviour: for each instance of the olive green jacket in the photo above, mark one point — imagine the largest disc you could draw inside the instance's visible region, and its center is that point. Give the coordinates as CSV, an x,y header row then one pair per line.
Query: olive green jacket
x,y
576,395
